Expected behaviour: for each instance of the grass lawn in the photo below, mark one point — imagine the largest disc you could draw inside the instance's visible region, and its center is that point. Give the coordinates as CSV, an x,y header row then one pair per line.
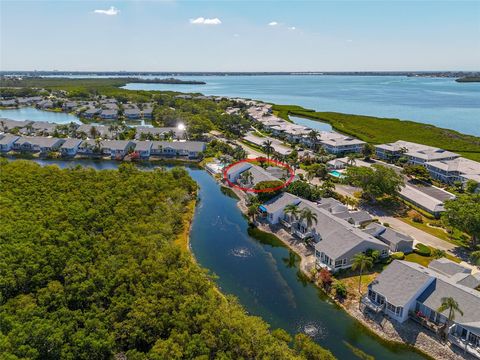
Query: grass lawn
x,y
351,279
377,130
457,237
425,260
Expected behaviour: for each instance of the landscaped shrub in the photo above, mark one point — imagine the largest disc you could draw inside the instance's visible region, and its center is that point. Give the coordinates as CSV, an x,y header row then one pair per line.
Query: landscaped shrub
x,y
386,224
416,217
398,255
340,289
325,279
422,250
437,253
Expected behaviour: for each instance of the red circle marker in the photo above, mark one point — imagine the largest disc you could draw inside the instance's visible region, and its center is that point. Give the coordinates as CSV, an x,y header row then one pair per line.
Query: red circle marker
x,y
286,183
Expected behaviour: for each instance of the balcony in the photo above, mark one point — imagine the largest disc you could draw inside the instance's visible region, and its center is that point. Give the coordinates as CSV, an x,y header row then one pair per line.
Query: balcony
x,y
302,235
421,319
372,305
285,223
464,345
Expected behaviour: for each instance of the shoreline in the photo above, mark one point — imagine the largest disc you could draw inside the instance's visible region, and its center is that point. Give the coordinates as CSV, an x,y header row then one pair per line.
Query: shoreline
x,y
424,344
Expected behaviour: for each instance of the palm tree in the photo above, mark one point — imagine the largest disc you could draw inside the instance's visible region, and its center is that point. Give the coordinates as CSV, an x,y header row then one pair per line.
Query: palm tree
x,y
309,216
361,262
449,303
267,147
311,174
292,211
351,160
314,136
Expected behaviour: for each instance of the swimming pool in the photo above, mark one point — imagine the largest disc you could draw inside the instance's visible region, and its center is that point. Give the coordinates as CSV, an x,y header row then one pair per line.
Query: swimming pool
x,y
336,174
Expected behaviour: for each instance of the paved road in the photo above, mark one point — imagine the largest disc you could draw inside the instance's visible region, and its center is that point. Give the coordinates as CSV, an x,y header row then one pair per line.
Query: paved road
x,y
418,235
252,154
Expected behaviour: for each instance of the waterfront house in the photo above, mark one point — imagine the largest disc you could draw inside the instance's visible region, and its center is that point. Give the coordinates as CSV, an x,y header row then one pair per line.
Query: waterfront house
x,y
408,290
40,128
256,174
336,241
37,144
340,144
416,154
143,148
188,149
117,149
8,103
70,147
274,208
69,106
459,169
91,112
395,240
45,104
7,141
8,125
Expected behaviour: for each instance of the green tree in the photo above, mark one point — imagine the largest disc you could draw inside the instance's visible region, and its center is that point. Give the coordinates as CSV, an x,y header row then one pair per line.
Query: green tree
x,y
375,181
361,262
475,257
464,213
419,172
368,151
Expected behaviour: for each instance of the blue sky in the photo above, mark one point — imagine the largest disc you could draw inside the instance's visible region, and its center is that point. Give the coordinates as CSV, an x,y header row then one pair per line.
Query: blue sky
x,y
240,35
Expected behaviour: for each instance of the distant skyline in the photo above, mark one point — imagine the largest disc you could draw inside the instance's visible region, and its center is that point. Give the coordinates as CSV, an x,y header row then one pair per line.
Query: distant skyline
x,y
245,36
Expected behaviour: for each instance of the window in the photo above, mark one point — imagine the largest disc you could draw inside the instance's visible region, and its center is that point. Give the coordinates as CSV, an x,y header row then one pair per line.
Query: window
x,y
397,310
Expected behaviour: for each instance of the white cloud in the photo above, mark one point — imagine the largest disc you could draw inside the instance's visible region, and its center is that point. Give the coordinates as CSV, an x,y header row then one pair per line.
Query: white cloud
x,y
204,21
236,35
273,23
110,12
292,28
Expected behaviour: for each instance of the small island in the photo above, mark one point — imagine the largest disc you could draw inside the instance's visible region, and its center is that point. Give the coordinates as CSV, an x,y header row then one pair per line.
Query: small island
x,y
169,81
468,79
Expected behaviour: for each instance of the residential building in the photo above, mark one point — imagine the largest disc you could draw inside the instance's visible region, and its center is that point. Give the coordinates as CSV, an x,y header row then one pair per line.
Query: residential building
x,y
416,154
189,149
70,147
340,144
37,144
117,149
408,290
143,148
91,112
159,133
459,169
336,241
7,141
7,124
109,114
132,113
395,240
427,198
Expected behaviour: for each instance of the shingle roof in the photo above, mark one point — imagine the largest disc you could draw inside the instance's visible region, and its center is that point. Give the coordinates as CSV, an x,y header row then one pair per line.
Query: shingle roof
x,y
391,236
401,281
448,267
7,138
280,201
71,143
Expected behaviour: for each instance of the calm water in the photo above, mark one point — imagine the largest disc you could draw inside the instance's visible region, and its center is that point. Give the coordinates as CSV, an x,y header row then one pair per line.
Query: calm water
x,y
265,278
441,102
30,113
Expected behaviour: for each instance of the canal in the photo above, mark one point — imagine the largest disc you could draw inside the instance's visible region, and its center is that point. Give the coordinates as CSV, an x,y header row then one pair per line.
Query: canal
x,y
265,277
